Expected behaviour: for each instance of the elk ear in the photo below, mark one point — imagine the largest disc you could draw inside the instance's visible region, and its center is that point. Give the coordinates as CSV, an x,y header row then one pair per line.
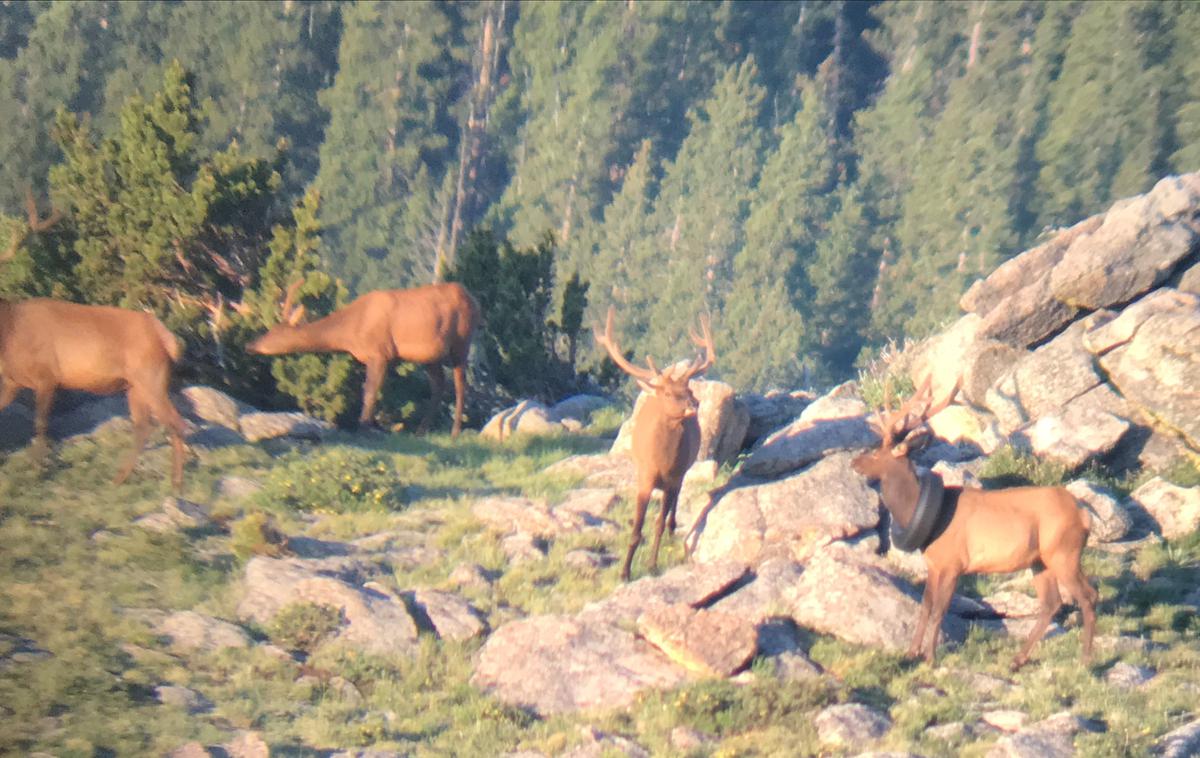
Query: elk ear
x,y
296,316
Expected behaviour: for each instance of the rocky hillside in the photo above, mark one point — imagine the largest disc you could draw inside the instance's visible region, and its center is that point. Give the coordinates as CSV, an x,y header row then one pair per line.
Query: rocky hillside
x,y
321,593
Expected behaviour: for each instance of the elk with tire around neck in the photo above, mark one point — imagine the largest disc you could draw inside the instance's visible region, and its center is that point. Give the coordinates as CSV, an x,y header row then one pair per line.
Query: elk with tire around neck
x,y
666,433
48,344
982,531
430,325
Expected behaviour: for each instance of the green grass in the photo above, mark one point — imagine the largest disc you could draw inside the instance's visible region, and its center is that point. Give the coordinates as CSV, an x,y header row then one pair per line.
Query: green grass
x,y
78,576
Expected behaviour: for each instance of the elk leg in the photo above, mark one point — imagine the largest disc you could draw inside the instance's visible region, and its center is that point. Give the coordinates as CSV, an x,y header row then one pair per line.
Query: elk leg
x,y
1046,585
43,402
437,383
943,593
164,410
671,512
1085,597
639,517
376,369
670,497
918,639
139,414
460,397
8,393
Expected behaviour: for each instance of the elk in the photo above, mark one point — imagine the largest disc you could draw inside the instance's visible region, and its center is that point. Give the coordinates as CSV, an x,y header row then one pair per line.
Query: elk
x,y
666,433
981,532
48,344
430,325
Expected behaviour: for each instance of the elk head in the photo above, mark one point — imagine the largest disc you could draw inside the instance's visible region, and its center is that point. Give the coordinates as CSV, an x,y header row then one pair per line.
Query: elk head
x,y
900,432
279,339
670,388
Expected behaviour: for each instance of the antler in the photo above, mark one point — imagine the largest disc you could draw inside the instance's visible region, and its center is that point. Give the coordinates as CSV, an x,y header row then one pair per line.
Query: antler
x,y
914,413
614,352
288,313
704,361
36,224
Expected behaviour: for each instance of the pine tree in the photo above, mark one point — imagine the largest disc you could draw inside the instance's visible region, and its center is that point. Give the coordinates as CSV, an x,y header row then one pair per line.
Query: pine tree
x,y
789,209
388,146
701,208
840,277
1105,137
957,218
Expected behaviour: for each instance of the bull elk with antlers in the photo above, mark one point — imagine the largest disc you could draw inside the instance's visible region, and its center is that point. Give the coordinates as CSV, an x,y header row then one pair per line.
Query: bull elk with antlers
x,y
666,433
430,325
979,531
48,344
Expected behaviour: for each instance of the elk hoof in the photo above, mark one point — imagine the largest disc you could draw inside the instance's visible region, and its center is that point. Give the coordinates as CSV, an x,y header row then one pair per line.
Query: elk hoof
x,y
1016,665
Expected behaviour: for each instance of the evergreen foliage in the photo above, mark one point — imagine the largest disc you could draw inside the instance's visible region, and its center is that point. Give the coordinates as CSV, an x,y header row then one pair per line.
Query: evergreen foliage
x,y
821,177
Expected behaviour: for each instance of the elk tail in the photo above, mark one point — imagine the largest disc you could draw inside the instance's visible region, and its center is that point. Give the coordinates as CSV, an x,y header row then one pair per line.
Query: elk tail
x,y
169,341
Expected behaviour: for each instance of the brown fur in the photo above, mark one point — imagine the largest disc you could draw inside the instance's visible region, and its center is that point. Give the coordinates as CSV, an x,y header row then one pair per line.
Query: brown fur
x,y
430,325
997,531
666,437
47,344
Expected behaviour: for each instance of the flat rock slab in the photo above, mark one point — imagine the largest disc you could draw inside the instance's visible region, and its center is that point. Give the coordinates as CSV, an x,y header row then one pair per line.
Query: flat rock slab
x,y
213,406
791,517
692,585
705,642
260,426
556,664
174,515
190,631
508,515
372,621
1175,509
1135,248
1033,744
857,600
807,440
602,470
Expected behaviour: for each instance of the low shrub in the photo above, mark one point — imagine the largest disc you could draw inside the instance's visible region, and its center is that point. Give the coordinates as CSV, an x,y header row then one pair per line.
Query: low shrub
x,y
304,626
256,534
333,480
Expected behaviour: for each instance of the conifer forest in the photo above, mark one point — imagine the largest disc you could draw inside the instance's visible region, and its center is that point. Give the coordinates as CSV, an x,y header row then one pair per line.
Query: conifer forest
x,y
820,177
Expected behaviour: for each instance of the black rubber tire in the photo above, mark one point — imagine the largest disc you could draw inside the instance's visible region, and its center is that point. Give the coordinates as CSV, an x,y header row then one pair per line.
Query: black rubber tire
x,y
925,518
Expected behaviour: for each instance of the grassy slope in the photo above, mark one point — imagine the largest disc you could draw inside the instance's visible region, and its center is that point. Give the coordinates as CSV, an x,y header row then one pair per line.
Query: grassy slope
x,y
71,561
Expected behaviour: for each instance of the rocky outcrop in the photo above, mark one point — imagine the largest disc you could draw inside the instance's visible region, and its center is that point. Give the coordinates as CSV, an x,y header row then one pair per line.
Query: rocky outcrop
x,y
372,621
705,642
792,516
260,426
189,631
553,664
1175,510
832,423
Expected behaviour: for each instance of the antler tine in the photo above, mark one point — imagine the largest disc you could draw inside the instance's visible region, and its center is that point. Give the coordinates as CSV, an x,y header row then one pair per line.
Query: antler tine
x,y
614,351
285,310
703,362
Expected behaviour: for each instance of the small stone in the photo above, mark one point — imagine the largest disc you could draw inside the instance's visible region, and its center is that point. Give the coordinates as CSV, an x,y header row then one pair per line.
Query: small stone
x,y
522,548
182,697
587,560
1033,745
686,739
850,724
1110,520
794,667
1005,721
237,488
248,745
1180,743
1127,676
470,575
190,750
344,687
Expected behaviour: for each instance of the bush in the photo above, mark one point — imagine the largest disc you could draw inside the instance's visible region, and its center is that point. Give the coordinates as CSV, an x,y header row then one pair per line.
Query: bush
x,y
256,534
304,626
333,480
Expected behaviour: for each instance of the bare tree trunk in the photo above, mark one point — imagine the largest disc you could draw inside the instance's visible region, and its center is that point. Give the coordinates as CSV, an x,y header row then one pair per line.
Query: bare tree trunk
x,y
471,143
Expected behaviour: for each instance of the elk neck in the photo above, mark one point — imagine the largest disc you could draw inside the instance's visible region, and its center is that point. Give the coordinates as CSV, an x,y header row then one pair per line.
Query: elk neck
x,y
899,490
321,336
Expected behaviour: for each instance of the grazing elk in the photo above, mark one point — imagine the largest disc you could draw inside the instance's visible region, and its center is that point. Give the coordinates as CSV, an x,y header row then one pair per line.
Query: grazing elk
x,y
49,344
666,433
981,532
430,325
